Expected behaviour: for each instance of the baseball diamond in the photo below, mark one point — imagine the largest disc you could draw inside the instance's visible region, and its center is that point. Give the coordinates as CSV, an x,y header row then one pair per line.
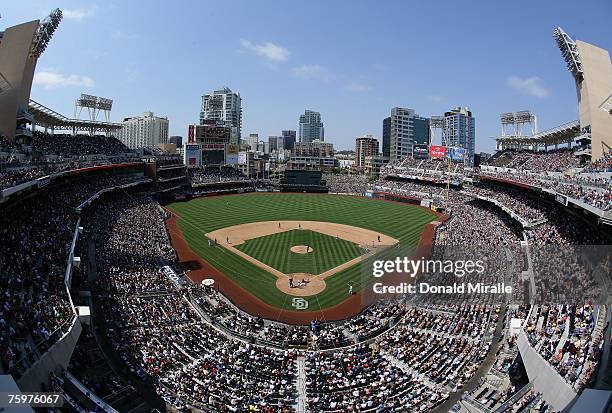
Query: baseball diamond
x,y
239,236
275,250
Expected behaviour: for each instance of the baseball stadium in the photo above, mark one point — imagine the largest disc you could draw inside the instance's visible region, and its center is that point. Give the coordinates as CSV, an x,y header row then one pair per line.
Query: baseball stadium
x,y
137,280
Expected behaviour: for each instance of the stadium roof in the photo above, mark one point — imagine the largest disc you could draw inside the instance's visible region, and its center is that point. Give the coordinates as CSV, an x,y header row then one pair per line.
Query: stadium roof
x,y
559,134
49,118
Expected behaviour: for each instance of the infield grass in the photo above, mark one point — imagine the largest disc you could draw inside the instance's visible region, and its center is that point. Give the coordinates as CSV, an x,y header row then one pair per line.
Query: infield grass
x,y
202,215
275,251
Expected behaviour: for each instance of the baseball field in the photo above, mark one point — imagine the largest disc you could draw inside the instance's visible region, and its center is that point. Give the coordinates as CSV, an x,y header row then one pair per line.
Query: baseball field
x,y
268,243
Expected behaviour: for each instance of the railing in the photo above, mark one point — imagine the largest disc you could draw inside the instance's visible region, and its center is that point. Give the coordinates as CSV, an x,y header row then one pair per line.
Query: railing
x,y
101,404
60,332
514,398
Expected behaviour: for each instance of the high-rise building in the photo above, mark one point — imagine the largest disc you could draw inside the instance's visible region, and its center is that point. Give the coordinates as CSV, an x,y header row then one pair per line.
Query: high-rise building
x,y
177,140
288,139
460,131
420,130
146,130
252,140
311,127
365,145
273,143
226,106
406,129
386,136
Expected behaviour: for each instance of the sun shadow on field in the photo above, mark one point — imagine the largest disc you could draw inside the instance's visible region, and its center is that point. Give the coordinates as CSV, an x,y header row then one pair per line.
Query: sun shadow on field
x,y
191,265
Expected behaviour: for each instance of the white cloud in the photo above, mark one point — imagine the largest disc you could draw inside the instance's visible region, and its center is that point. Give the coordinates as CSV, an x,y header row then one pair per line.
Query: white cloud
x,y
312,72
78,14
52,80
267,50
357,87
533,86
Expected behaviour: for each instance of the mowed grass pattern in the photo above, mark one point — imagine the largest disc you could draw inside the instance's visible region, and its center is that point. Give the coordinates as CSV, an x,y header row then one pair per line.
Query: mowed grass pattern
x,y
275,251
202,215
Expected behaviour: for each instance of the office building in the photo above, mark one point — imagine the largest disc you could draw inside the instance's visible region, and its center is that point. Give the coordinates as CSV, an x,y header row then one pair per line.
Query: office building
x,y
252,141
460,131
311,127
177,140
405,129
365,145
373,164
288,139
386,137
315,148
147,130
273,143
225,106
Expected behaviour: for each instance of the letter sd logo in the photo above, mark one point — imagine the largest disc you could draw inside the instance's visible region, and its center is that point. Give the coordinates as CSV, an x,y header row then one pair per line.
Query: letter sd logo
x,y
299,303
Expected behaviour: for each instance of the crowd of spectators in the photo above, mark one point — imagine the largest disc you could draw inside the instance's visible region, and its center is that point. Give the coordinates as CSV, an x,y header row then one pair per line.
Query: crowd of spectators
x,y
160,335
477,222
48,154
526,207
346,183
603,164
564,335
592,190
211,174
414,188
361,379
15,173
552,161
76,146
35,237
392,357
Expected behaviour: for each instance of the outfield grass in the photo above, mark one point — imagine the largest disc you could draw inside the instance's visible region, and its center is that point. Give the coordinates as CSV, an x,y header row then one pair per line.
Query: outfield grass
x,y
202,215
327,251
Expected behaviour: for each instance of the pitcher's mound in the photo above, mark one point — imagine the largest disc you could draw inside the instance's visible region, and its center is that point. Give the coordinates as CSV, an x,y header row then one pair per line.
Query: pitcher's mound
x,y
301,249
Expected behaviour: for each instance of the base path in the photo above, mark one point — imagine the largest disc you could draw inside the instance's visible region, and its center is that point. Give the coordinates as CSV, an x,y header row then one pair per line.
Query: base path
x,y
199,269
370,241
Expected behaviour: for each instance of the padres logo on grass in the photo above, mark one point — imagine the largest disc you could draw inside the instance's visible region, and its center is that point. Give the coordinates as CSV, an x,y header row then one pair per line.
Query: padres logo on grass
x,y
299,303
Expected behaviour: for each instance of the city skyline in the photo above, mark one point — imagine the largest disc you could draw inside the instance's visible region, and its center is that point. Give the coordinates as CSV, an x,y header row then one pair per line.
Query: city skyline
x,y
279,73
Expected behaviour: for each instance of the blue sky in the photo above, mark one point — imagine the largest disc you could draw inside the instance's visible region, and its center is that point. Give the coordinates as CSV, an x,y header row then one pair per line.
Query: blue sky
x,y
350,60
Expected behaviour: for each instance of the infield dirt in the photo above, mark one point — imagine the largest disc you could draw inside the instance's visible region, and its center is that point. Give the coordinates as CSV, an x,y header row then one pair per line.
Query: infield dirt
x,y
370,241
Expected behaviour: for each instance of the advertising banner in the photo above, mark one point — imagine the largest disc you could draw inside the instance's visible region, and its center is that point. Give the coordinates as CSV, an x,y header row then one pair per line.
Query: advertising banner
x,y
437,151
456,154
420,151
193,155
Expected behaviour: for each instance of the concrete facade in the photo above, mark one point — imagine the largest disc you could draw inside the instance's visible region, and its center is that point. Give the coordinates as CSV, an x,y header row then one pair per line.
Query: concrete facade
x,y
17,68
593,90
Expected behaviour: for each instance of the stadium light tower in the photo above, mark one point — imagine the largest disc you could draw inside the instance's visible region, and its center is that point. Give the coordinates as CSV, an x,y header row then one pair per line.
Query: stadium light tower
x,y
570,53
86,101
44,33
94,105
512,123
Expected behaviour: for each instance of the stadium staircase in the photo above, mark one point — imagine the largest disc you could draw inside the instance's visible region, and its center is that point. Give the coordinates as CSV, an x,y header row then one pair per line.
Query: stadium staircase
x,y
300,405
